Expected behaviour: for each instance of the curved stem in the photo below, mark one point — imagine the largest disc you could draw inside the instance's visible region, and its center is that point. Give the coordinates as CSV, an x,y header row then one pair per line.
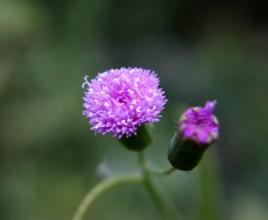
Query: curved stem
x,y
143,164
102,187
161,173
166,209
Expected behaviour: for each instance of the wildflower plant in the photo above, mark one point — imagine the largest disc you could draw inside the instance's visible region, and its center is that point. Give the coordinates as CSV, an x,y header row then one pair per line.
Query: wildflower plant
x,y
122,102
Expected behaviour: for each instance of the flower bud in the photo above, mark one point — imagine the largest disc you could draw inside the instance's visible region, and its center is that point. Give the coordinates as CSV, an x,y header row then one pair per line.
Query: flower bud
x,y
198,128
138,141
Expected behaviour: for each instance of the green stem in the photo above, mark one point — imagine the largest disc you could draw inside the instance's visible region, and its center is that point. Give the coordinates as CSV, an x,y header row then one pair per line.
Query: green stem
x,y
209,188
167,210
102,187
161,173
143,165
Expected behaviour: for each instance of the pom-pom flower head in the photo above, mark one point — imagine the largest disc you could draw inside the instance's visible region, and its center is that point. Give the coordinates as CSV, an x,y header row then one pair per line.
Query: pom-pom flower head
x,y
118,101
199,124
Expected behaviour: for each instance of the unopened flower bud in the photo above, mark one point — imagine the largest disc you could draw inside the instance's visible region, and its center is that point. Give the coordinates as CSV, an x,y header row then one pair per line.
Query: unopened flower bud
x,y
198,128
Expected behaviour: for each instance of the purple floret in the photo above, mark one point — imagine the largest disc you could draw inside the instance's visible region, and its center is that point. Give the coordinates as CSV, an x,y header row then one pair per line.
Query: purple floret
x,y
199,124
118,101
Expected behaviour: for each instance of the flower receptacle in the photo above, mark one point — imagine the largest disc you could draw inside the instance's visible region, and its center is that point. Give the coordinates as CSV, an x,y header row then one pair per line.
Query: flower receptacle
x,y
139,141
185,154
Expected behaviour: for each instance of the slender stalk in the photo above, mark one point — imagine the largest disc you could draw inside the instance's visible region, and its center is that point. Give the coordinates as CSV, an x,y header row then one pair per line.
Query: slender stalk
x,y
167,210
143,165
209,188
102,187
161,173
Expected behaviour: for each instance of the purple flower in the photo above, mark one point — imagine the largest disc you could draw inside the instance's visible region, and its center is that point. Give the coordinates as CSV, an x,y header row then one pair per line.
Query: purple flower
x,y
118,101
199,124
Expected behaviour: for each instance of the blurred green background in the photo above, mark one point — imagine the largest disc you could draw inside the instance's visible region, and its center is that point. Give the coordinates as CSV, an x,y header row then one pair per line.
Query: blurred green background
x,y
200,49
